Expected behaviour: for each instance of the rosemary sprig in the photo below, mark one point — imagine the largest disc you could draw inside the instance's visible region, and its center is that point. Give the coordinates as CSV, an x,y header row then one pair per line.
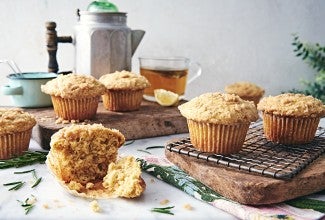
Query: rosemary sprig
x,y
28,158
129,142
26,171
28,205
155,147
16,185
165,210
144,151
37,180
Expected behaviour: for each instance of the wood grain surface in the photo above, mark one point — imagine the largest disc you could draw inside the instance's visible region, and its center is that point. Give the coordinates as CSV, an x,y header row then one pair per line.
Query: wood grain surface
x,y
150,120
248,188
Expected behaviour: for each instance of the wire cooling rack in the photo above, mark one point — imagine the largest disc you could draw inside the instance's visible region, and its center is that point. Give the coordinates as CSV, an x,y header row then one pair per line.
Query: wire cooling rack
x,y
261,156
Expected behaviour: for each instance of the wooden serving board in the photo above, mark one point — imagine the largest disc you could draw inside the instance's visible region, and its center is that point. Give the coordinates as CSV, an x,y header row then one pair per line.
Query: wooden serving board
x,y
248,188
150,120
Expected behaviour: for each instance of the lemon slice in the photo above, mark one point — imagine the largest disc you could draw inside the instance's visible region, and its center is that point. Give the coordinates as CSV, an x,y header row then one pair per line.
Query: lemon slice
x,y
165,97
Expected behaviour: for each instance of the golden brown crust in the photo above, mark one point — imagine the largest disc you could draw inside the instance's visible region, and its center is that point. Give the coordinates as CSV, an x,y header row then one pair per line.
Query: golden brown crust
x,y
124,80
74,86
15,120
295,105
219,108
243,89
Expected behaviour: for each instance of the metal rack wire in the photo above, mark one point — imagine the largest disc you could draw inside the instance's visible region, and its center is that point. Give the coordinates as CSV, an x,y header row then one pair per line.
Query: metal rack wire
x,y
261,156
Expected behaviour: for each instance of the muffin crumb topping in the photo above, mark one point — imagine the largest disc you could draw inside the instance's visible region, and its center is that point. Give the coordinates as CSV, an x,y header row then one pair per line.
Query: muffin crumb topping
x,y
15,120
219,108
124,80
289,104
74,86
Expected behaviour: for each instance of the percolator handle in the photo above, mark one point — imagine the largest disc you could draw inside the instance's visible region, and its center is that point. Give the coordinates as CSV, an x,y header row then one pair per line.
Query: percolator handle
x,y
52,41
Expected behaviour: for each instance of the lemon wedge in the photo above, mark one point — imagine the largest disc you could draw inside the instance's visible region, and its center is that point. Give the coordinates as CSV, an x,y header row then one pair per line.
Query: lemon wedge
x,y
165,97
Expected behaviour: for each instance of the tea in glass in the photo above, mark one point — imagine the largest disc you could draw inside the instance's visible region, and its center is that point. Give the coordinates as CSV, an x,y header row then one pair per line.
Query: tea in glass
x,y
169,79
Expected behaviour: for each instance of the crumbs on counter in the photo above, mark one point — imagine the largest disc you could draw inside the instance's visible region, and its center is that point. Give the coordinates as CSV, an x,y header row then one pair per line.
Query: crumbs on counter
x,y
64,121
46,206
152,180
187,206
95,206
164,202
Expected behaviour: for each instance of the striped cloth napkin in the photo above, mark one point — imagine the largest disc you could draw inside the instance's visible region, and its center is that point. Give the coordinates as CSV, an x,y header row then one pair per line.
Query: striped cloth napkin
x,y
304,208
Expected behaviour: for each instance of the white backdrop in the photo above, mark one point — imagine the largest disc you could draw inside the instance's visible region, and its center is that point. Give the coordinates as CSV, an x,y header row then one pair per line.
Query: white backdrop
x,y
232,39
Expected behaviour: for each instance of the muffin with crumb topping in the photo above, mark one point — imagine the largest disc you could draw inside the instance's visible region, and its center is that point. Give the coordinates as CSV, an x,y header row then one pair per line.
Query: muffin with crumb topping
x,y
246,90
218,122
15,132
124,90
84,160
291,118
74,96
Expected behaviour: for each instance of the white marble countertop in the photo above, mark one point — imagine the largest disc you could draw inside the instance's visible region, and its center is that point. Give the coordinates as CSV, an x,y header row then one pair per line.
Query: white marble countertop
x,y
54,202
62,205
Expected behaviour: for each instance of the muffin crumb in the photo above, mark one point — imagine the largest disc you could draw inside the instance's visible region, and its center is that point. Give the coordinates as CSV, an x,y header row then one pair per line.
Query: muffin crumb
x,y
95,206
188,206
164,202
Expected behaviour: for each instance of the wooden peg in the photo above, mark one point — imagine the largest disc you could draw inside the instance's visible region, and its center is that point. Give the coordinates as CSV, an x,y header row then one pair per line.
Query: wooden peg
x,y
52,41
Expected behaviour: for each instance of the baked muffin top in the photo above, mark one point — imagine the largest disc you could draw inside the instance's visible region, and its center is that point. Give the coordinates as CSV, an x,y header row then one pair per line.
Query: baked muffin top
x,y
124,80
219,108
244,89
15,120
289,104
74,86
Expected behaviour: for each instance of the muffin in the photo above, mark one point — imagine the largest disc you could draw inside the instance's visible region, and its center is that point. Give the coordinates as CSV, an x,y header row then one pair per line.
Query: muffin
x,y
15,132
74,96
246,90
84,160
124,90
218,122
291,118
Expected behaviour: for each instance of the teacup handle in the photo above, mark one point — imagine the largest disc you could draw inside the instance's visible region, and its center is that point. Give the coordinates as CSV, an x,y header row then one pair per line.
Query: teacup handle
x,y
7,90
198,71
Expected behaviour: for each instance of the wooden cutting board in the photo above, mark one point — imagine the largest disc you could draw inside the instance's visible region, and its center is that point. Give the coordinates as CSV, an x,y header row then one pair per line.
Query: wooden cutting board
x,y
150,120
248,188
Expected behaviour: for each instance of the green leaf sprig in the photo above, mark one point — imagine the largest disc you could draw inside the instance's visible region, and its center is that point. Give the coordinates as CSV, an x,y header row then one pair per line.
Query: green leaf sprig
x,y
154,147
37,180
16,185
28,204
314,56
165,210
128,142
150,148
28,158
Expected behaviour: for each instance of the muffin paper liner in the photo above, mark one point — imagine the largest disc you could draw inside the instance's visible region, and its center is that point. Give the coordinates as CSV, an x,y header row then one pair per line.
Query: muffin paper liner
x,y
15,144
217,138
289,130
122,100
75,109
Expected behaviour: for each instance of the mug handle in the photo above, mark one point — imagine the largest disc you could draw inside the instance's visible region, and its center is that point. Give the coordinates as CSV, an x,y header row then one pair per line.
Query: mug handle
x,y
7,90
198,71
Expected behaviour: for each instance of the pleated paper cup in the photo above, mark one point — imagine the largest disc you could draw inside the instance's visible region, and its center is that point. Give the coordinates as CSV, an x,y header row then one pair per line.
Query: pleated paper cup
x,y
15,144
75,109
122,100
217,138
289,130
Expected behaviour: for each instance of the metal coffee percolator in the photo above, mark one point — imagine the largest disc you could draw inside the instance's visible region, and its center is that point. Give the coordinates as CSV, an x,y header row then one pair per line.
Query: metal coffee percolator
x,y
103,43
